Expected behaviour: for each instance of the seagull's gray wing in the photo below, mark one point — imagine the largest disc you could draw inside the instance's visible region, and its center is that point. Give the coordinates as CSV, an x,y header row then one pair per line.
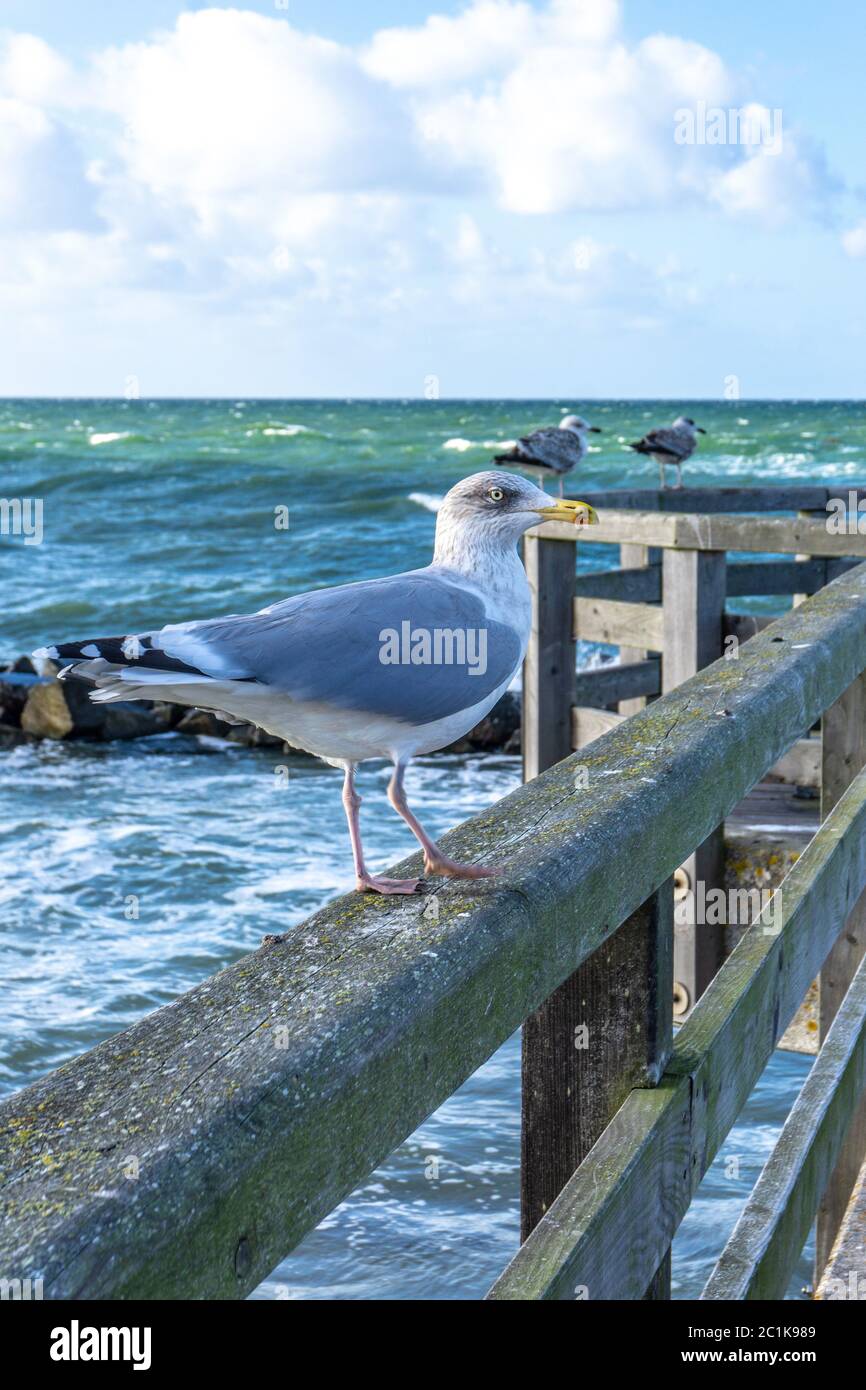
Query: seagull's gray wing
x,y
337,646
675,444
556,449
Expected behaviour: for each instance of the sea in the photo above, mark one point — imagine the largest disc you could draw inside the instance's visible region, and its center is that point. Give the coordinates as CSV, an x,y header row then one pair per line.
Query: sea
x,y
155,511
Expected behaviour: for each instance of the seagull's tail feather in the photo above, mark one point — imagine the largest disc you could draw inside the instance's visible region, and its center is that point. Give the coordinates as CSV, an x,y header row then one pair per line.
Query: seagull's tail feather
x,y
118,651
509,456
113,682
640,447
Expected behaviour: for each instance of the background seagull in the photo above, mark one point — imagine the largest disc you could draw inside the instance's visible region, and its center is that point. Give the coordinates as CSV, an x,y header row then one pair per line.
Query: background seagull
x,y
353,673
673,445
552,451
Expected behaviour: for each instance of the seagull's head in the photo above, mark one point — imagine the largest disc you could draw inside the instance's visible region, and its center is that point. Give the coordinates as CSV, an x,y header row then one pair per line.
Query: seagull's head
x,y
683,422
578,425
496,508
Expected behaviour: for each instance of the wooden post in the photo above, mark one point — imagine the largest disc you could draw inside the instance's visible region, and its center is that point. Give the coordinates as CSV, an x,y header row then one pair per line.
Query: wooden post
x,y
608,1027
843,755
605,1031
693,590
810,515
632,557
549,671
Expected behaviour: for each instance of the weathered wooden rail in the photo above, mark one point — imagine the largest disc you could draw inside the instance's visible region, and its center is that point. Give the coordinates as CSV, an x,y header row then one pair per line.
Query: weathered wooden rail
x,y
185,1157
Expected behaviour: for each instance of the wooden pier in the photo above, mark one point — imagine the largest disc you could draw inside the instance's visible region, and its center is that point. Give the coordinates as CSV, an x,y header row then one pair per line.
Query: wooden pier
x,y
185,1157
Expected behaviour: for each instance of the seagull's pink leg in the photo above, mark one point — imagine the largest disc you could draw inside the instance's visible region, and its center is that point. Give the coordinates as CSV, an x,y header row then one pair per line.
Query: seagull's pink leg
x,y
364,881
435,862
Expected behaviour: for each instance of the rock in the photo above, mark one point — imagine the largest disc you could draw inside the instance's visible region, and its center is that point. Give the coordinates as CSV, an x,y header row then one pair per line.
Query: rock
x,y
171,714
251,737
497,727
24,665
13,737
46,713
462,745
494,731
201,721
15,687
58,710
514,744
135,719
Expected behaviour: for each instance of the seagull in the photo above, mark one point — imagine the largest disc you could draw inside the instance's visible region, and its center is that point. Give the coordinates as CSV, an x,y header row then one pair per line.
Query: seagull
x,y
385,668
554,450
674,445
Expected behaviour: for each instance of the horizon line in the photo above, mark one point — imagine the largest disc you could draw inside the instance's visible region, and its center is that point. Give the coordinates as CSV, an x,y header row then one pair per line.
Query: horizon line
x,y
446,400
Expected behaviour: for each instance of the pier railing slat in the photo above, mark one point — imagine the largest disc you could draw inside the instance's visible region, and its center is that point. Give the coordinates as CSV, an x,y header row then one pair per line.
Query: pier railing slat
x,y
637,584
767,535
762,1253
605,685
549,673
775,497
638,557
614,1220
843,750
694,589
619,624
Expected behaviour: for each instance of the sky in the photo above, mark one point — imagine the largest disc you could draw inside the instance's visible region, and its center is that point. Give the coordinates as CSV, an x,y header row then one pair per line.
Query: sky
x,y
582,198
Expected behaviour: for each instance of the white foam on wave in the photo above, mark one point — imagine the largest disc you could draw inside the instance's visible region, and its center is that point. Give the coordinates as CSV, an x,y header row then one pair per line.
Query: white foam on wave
x,y
285,430
460,445
108,438
312,875
592,658
428,500
76,838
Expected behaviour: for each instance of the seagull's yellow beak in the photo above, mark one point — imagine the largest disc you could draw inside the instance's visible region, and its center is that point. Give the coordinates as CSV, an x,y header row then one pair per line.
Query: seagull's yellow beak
x,y
578,513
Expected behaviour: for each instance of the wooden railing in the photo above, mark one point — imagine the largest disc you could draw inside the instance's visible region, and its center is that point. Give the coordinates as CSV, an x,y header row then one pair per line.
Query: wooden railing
x,y
665,609
185,1157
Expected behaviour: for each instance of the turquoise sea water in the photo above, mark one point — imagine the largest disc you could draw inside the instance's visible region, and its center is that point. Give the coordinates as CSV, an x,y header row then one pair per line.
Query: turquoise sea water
x,y
158,511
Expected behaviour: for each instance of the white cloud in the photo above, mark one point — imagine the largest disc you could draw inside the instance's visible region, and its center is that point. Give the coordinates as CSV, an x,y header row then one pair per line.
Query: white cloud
x,y
232,102
778,181
233,156
42,180
854,241
489,36
580,127
485,38
32,71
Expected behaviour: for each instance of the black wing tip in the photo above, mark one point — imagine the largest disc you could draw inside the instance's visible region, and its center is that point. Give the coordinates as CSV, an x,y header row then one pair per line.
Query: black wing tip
x,y
119,651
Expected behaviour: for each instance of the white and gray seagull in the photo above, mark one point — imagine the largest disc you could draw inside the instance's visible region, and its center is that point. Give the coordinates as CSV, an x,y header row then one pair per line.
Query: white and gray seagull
x,y
554,451
673,445
384,668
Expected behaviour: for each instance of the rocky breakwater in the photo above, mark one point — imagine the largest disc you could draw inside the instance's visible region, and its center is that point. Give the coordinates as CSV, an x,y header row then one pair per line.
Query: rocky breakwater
x,y
35,705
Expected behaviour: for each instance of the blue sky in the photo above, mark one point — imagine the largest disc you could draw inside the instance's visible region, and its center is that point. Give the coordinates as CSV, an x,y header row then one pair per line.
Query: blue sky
x,y
336,199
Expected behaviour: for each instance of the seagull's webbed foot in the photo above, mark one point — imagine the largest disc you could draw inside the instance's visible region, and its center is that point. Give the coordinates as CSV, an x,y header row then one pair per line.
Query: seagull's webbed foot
x,y
435,862
441,864
365,882
371,883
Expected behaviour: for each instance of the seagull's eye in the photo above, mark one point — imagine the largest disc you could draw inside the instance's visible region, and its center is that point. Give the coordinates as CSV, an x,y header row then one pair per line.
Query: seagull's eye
x,y
496,494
